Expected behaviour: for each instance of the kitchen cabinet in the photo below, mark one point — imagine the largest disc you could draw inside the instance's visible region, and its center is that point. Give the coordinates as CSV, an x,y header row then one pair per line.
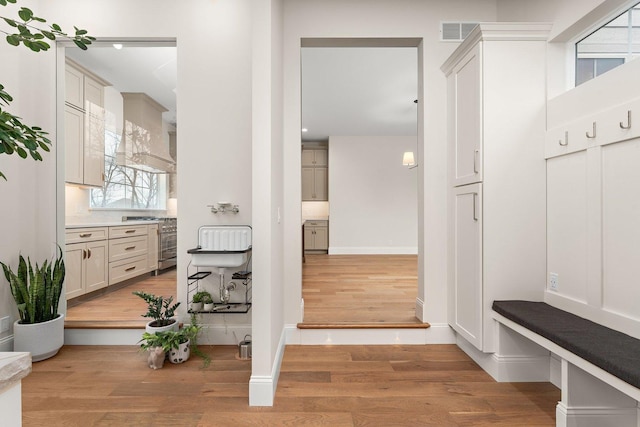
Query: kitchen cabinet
x,y
497,194
84,127
315,184
152,244
315,157
316,235
85,261
128,252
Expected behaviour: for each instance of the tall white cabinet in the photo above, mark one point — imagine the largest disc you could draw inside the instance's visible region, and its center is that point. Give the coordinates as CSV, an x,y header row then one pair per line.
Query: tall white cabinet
x,y
496,131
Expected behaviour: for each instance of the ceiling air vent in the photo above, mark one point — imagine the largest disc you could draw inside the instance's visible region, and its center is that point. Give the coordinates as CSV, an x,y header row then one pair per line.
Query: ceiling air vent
x,y
456,31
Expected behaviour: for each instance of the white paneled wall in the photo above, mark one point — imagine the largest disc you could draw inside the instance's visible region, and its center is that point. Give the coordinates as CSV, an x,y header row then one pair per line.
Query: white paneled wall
x,y
593,200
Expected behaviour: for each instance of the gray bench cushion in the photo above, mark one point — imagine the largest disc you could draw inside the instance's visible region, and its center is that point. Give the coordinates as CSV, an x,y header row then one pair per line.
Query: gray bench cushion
x,y
613,351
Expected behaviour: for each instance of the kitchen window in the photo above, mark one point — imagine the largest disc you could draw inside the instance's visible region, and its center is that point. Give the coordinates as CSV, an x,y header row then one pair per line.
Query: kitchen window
x,y
125,187
609,46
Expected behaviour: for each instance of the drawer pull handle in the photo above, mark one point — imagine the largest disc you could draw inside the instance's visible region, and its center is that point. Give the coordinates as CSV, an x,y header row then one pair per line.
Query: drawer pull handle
x,y
84,254
475,160
86,234
475,212
593,132
129,248
88,253
130,268
130,231
566,139
628,125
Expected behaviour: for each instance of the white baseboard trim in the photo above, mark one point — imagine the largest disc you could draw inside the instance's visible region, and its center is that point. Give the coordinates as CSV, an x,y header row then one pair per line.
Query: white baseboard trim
x,y
262,388
595,416
368,250
508,368
436,334
6,344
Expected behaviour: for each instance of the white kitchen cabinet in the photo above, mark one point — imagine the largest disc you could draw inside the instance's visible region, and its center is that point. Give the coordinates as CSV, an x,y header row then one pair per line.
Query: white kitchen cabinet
x,y
84,127
315,182
496,132
85,261
316,235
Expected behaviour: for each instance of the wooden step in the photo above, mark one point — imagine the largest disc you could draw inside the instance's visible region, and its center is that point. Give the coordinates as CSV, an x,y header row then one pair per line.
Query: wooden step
x,y
361,325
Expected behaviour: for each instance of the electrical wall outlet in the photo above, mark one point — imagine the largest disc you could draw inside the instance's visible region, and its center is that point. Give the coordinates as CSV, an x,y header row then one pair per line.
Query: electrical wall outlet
x,y
553,281
4,323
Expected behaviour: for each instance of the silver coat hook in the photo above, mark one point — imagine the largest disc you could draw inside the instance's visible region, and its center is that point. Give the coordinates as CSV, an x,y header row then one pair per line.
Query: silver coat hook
x,y
628,125
593,133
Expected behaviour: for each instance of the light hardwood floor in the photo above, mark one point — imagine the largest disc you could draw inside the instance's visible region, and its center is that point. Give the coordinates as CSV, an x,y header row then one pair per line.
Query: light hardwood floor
x,y
435,385
353,289
121,308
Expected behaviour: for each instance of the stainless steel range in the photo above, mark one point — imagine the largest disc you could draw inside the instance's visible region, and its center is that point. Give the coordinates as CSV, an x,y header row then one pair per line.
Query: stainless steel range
x,y
167,239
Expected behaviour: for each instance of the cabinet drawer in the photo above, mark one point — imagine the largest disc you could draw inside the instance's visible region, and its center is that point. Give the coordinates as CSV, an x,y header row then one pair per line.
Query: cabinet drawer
x,y
317,223
78,235
127,247
126,269
127,231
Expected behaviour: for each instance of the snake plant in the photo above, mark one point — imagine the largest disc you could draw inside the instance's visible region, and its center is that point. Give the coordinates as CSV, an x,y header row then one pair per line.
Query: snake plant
x,y
36,290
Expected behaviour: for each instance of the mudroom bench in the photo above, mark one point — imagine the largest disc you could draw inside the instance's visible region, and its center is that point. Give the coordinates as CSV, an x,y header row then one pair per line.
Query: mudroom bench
x,y
599,366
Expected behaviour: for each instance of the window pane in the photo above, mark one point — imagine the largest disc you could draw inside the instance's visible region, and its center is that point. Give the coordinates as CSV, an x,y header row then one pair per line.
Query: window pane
x,y
604,65
585,70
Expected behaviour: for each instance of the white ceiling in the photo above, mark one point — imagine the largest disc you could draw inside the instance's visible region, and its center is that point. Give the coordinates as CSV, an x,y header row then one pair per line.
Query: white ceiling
x,y
147,69
349,91
346,91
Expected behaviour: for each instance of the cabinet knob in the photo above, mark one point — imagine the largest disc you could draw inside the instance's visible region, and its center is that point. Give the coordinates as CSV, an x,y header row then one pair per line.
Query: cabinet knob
x,y
88,253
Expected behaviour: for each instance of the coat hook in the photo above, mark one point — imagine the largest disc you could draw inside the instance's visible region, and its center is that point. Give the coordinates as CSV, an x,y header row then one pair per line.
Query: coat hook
x,y
628,126
566,139
593,134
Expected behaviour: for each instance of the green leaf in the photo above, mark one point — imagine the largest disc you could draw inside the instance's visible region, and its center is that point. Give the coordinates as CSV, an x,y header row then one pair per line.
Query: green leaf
x,y
13,40
3,2
36,156
35,18
10,22
49,35
21,152
80,44
25,14
56,27
2,176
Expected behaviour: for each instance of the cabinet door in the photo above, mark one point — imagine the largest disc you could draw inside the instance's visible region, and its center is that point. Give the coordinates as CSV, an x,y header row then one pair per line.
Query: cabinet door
x,y
320,183
153,247
309,238
308,186
467,98
74,145
94,133
74,87
73,261
467,318
321,240
96,271
320,157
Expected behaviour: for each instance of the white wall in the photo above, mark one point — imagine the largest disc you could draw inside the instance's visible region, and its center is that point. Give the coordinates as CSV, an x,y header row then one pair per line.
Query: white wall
x,y
405,18
373,197
28,197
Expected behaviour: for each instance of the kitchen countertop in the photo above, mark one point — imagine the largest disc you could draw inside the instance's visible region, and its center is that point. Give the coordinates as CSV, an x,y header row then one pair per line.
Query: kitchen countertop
x,y
110,224
13,367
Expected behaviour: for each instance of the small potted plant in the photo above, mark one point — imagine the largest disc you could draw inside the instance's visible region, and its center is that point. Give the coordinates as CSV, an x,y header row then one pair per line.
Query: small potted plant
x,y
208,303
156,347
161,311
198,300
36,291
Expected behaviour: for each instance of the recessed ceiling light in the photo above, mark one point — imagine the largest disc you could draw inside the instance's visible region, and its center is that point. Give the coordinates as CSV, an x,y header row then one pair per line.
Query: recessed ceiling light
x,y
117,46
304,129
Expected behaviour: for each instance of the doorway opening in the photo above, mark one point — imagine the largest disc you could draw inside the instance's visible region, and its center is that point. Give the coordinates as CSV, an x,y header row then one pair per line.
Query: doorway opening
x,y
359,203
103,187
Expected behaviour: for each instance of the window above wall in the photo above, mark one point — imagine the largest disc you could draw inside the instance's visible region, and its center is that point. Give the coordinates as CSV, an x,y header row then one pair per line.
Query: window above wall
x,y
609,46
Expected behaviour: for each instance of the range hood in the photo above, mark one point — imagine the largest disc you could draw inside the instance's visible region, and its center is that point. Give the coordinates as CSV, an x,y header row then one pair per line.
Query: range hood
x,y
143,145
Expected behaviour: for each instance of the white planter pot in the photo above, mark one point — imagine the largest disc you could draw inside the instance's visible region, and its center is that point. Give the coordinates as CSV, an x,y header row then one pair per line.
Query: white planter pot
x,y
196,306
153,329
208,307
42,340
181,354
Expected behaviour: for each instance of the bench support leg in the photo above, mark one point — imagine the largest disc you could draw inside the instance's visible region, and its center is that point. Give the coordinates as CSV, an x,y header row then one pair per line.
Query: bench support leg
x,y
590,402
